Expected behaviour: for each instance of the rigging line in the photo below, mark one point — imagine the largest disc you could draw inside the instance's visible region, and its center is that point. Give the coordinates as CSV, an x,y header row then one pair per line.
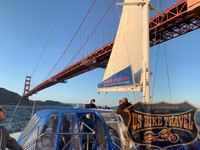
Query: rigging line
x,y
72,39
133,101
118,14
134,97
91,33
33,109
168,79
155,72
103,98
49,37
156,59
15,111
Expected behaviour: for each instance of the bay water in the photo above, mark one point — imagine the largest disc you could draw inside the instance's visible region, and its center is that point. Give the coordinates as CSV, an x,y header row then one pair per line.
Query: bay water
x,y
17,118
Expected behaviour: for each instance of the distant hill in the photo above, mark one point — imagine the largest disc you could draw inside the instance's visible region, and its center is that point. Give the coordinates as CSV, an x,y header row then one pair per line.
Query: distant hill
x,y
8,97
11,98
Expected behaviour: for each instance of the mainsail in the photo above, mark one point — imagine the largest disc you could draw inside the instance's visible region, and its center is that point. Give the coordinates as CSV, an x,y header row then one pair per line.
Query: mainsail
x,y
124,69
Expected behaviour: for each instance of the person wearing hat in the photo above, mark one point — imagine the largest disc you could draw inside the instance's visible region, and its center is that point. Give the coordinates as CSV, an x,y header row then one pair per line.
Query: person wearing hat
x,y
92,104
5,140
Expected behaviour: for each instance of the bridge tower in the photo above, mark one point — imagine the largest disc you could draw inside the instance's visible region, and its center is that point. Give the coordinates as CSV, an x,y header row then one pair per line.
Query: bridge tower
x,y
25,99
27,85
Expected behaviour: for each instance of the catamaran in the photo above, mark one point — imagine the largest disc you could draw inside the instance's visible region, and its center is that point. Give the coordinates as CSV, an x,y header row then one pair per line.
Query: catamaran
x,y
152,125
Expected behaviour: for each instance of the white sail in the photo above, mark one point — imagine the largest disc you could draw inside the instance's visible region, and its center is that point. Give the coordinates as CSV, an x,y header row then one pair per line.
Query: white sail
x,y
124,69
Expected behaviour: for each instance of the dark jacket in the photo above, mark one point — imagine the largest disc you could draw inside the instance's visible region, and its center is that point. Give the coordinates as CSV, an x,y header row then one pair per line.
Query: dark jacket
x,y
6,141
91,105
125,115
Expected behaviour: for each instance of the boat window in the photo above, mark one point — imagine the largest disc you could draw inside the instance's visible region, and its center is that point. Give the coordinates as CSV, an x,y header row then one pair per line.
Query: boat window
x,y
113,128
114,135
48,134
117,131
101,135
52,124
68,128
76,138
87,131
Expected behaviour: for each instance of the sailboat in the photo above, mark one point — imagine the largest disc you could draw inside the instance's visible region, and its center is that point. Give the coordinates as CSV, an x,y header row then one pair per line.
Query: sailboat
x,y
160,125
153,125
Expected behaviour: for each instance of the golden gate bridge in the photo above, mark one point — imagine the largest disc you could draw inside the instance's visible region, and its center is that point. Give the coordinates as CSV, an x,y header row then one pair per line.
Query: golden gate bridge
x,y
179,19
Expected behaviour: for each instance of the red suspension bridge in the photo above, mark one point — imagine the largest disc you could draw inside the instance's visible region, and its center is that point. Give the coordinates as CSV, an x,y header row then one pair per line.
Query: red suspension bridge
x,y
177,20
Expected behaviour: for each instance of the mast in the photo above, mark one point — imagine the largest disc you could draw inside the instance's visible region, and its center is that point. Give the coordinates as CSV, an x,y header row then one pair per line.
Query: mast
x,y
145,65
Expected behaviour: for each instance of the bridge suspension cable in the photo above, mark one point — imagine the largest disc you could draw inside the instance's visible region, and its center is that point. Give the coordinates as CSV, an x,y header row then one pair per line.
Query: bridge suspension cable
x,y
49,37
71,39
91,32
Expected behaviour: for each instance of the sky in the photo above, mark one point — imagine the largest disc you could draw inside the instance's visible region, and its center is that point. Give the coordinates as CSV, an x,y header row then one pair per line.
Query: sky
x,y
34,35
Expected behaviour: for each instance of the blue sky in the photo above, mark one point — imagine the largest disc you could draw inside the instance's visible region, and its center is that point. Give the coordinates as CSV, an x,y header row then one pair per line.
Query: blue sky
x,y
30,28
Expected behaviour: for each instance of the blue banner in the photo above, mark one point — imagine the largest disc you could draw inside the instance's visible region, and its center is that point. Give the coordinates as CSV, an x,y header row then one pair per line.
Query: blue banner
x,y
122,78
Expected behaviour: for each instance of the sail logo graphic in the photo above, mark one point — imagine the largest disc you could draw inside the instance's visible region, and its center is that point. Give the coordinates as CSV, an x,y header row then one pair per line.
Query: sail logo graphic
x,y
162,125
121,78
